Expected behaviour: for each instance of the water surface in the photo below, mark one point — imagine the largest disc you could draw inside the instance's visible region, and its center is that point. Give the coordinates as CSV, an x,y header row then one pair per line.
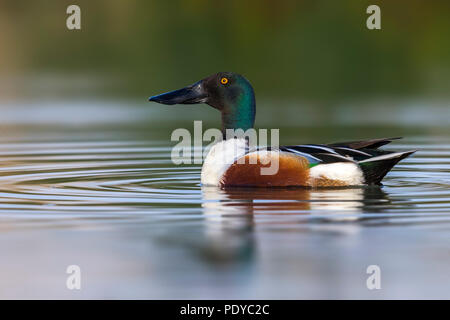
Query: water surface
x,y
98,190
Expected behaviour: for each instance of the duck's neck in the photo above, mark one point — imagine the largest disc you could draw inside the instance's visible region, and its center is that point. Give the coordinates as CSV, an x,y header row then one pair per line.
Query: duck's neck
x,y
239,112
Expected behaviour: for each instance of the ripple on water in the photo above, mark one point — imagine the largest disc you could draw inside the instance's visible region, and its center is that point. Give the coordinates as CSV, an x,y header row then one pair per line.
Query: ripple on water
x,y
110,178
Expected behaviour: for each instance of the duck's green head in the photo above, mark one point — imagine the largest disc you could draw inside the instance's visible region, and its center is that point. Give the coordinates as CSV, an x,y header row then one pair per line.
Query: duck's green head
x,y
228,92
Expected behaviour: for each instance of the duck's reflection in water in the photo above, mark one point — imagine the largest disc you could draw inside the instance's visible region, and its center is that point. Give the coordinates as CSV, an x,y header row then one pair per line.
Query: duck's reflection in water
x,y
231,215
291,201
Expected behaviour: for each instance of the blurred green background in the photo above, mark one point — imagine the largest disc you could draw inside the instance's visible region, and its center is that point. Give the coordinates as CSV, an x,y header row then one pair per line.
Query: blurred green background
x,y
319,73
317,51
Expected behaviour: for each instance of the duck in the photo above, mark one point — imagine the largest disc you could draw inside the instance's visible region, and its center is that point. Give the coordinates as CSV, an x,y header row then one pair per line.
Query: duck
x,y
232,163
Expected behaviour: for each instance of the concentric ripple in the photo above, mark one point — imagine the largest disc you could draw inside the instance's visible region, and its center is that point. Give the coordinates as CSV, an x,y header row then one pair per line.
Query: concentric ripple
x,y
128,178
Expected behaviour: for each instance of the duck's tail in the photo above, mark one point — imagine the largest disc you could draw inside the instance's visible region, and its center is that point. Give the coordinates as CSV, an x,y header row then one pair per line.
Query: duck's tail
x,y
375,168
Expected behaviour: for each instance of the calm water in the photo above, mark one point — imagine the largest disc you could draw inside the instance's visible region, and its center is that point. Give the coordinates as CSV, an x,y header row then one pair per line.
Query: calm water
x,y
94,186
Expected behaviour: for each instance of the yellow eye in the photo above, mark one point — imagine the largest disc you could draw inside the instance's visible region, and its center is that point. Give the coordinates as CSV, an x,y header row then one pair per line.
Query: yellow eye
x,y
224,81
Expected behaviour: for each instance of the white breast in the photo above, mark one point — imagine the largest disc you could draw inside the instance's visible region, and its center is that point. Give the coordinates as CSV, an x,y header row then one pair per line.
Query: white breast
x,y
220,157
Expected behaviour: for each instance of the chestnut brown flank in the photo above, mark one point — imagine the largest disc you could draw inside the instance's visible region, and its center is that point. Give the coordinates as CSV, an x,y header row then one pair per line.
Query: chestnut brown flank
x,y
293,171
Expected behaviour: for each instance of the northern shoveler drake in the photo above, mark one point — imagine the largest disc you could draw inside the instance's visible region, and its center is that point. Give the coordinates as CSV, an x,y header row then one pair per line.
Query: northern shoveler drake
x,y
343,164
